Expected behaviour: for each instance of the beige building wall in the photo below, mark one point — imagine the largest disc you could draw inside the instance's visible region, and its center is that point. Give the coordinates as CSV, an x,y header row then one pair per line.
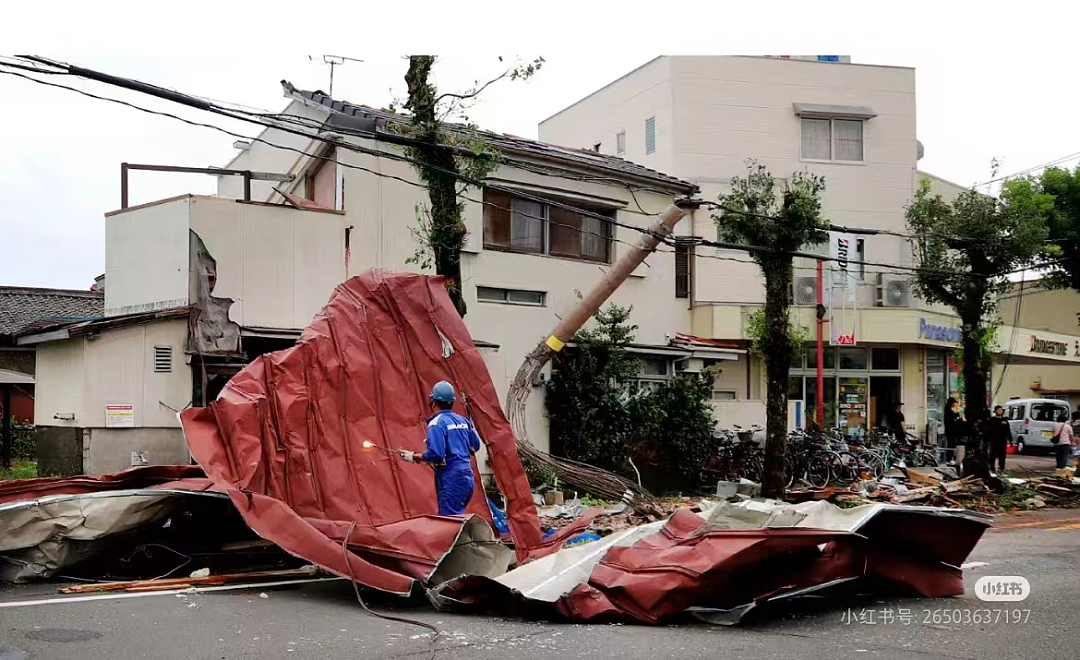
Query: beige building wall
x,y
1054,310
81,376
726,110
278,263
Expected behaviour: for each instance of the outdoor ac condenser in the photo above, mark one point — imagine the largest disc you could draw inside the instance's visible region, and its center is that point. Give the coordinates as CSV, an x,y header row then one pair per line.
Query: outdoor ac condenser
x,y
805,291
893,291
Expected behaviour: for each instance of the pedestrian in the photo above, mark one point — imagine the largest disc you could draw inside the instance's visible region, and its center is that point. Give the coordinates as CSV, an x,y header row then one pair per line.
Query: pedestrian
x,y
894,422
451,441
952,431
999,434
1076,437
1063,440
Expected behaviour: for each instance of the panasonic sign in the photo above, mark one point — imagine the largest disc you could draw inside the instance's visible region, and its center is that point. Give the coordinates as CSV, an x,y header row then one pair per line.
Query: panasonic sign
x,y
938,332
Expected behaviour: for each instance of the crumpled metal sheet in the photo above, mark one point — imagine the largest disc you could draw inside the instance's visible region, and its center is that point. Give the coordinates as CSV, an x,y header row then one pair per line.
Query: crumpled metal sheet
x,y
40,536
724,562
185,477
285,437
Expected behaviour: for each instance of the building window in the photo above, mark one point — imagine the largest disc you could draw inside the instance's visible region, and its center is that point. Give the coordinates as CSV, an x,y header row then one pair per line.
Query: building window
x,y
510,296
885,359
162,359
650,135
811,357
320,182
682,270
654,372
522,225
853,359
620,143
834,140
723,395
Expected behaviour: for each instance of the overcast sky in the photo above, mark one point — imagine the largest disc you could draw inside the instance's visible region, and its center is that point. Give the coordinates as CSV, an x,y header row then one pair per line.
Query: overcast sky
x,y
990,84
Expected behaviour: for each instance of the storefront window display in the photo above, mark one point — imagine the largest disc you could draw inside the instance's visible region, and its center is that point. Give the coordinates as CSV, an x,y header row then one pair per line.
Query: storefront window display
x,y
853,399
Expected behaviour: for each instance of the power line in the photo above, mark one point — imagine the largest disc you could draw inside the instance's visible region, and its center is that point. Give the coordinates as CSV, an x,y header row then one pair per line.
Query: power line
x,y
205,105
1056,161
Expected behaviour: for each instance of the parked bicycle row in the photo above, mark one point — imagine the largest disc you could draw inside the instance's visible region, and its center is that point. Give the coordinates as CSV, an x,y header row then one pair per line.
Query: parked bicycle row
x,y
817,459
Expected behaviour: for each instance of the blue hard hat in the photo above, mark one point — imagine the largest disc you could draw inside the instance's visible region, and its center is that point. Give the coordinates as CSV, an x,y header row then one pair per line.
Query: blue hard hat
x,y
443,391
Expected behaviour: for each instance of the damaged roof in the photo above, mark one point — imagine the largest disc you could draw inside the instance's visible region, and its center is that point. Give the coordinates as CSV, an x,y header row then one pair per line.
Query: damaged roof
x,y
578,158
22,307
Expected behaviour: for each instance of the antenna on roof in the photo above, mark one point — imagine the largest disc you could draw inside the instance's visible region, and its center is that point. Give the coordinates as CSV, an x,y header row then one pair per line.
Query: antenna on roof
x,y
334,60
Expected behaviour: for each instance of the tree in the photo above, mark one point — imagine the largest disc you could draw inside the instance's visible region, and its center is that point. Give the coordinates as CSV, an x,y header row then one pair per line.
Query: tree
x,y
964,252
779,222
586,398
447,157
600,416
1062,223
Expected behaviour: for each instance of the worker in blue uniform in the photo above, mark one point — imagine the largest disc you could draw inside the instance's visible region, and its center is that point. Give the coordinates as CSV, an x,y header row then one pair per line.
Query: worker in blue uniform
x,y
451,441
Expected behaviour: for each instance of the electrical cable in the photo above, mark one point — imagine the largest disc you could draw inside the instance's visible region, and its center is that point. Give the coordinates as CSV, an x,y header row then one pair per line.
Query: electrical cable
x,y
387,617
1012,341
1051,163
171,95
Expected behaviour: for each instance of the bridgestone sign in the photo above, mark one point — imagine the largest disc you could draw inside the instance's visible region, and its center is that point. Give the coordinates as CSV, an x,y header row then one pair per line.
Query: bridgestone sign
x,y
1048,347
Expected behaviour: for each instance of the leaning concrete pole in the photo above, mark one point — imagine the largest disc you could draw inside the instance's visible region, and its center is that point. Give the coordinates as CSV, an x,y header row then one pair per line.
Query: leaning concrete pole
x,y
586,477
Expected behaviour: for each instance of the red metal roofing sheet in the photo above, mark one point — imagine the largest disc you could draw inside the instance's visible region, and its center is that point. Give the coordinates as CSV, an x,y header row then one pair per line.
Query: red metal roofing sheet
x,y
285,437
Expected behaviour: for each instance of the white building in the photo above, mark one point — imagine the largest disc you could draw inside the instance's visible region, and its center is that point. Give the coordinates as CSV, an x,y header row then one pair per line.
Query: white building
x,y
701,118
171,338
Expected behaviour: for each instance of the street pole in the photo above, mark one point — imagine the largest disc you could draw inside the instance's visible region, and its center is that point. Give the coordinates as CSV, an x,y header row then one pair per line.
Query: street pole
x,y
819,412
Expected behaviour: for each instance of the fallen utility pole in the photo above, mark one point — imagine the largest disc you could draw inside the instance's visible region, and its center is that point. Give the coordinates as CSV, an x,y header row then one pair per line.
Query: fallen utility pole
x,y
588,478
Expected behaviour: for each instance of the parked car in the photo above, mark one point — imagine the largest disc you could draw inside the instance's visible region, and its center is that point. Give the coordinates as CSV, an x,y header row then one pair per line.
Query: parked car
x,y
1032,421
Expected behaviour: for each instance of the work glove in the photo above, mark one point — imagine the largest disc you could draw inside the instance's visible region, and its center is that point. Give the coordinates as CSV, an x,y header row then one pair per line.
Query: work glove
x,y
407,456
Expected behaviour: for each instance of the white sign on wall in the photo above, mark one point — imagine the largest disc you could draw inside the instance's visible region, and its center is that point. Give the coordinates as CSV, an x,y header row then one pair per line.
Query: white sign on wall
x,y
843,312
119,416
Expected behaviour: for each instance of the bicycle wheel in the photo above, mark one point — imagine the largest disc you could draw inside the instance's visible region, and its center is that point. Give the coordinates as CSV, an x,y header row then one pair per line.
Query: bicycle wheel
x,y
753,468
925,458
789,470
873,462
819,468
846,470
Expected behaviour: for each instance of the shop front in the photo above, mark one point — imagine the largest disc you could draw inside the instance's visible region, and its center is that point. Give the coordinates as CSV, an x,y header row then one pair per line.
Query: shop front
x,y
1037,364
861,384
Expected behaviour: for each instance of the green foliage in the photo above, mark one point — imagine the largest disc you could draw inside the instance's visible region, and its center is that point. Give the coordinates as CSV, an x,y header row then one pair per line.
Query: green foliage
x,y
673,426
1056,194
976,233
756,331
21,468
778,222
449,157
599,416
964,252
539,475
589,389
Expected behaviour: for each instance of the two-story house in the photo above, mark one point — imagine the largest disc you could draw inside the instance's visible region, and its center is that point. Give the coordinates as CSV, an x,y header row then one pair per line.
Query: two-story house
x,y
701,118
197,285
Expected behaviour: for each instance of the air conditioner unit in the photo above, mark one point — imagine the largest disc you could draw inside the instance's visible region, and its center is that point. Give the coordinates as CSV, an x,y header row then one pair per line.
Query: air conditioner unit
x,y
893,291
805,291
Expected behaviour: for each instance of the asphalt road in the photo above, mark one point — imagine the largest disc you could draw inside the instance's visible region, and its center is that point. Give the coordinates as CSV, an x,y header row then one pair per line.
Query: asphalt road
x,y
324,621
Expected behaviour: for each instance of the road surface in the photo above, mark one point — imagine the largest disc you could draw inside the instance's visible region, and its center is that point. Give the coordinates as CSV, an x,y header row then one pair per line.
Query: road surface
x,y
324,621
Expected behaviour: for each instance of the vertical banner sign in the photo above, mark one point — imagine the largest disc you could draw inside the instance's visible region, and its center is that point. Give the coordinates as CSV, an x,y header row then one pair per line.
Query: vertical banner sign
x,y
843,311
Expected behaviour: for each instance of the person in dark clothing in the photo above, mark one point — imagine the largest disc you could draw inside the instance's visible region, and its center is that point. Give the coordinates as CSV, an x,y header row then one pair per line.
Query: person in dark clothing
x,y
894,422
999,434
952,428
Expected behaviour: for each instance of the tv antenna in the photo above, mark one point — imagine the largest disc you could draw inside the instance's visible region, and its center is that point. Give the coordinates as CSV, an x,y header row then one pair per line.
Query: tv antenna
x,y
334,60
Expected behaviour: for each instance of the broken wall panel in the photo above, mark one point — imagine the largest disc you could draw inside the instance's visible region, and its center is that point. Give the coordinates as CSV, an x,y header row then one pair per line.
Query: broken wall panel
x,y
285,438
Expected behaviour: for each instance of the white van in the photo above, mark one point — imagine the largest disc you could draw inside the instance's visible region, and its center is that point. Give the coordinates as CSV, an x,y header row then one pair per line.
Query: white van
x,y
1032,421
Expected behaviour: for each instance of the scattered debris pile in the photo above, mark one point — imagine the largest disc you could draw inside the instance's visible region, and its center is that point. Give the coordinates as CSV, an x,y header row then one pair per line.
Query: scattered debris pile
x,y
299,469
941,487
724,561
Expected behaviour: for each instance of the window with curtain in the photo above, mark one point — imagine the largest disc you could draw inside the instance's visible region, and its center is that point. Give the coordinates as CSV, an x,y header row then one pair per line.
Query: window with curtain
x,y
848,139
527,225
836,140
523,225
816,139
